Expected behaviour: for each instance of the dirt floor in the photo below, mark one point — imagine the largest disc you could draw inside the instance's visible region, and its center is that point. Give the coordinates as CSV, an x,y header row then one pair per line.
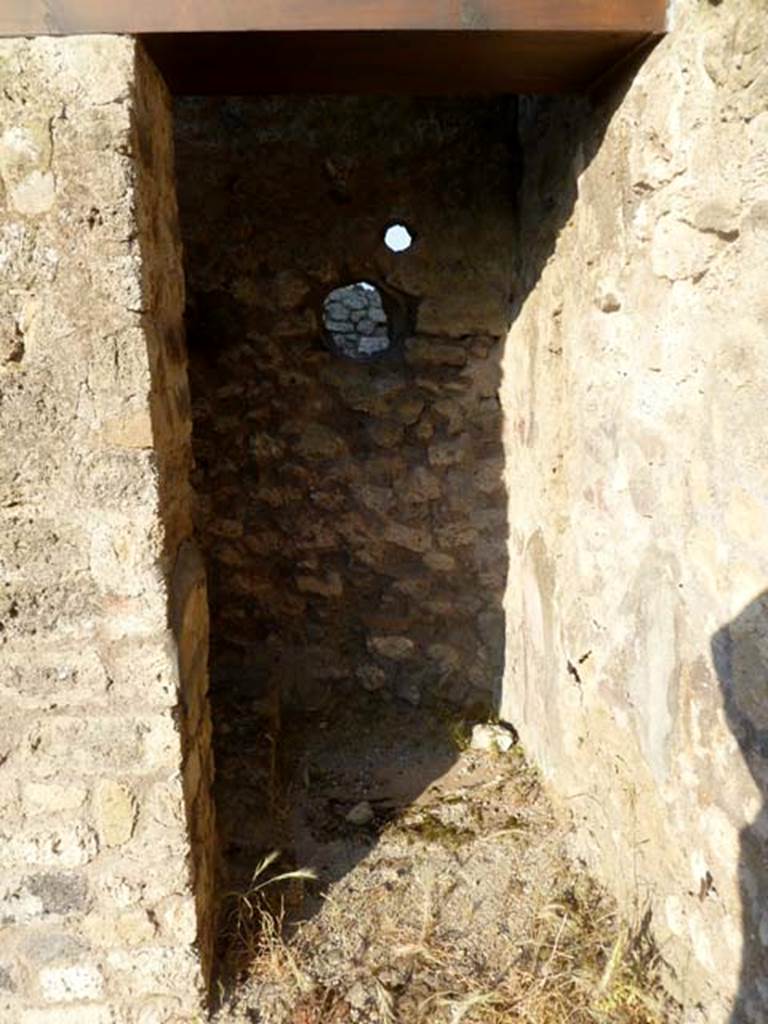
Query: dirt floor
x,y
442,890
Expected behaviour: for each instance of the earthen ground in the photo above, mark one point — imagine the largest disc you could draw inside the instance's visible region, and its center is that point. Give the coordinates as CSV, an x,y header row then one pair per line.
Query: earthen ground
x,y
456,902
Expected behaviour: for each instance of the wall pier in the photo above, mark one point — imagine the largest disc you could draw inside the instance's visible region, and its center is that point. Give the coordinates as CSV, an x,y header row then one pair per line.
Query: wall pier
x,y
634,395
103,620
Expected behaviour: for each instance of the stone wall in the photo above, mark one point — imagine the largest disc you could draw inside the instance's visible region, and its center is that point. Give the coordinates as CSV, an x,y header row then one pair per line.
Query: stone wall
x,y
636,436
352,512
105,730
356,323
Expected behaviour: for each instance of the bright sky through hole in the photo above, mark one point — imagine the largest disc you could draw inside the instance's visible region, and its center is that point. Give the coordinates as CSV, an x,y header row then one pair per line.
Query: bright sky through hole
x,y
398,238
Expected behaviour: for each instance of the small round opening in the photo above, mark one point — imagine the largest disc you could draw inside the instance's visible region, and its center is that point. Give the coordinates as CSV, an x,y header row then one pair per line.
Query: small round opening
x,y
356,321
398,238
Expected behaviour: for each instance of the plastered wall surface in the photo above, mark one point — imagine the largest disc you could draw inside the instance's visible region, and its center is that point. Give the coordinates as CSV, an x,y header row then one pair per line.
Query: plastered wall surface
x,y
634,393
103,621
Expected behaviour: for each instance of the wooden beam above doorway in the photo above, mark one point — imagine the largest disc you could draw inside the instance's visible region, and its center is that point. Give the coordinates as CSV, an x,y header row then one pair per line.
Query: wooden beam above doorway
x,y
421,46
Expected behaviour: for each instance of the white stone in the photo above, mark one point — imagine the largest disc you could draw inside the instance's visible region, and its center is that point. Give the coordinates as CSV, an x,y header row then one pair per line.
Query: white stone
x,y
67,984
361,814
486,736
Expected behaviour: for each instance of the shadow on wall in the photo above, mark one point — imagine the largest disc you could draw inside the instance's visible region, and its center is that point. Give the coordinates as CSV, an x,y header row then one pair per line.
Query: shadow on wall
x,y
353,511
353,514
740,657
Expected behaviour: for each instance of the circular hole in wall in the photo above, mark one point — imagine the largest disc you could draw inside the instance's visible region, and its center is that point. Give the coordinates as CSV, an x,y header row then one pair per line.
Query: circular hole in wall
x,y
398,238
356,321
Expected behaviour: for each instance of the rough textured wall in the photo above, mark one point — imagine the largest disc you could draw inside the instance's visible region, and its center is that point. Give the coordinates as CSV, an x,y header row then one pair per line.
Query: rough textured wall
x,y
636,438
102,609
355,321
352,513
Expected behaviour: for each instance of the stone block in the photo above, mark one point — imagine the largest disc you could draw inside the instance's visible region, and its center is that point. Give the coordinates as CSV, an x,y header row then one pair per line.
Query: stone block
x,y
426,352
439,561
412,538
47,945
90,746
60,673
66,608
371,677
444,454
457,535
131,662
394,648
68,846
329,586
114,812
452,414
52,797
118,481
74,983
130,430
407,409
162,1010
135,928
178,920
317,442
163,803
153,969
446,657
39,547
124,554
59,892
421,485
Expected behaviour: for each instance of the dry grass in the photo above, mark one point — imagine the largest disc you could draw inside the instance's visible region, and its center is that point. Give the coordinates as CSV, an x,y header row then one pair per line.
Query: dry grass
x,y
251,922
461,914
566,973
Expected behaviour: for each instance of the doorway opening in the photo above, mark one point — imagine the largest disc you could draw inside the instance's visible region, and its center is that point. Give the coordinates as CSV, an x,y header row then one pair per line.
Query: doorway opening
x,y
348,453
352,509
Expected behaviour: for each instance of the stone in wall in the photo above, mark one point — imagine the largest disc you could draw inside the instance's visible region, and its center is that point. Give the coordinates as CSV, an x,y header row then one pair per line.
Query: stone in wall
x,y
105,723
634,391
351,511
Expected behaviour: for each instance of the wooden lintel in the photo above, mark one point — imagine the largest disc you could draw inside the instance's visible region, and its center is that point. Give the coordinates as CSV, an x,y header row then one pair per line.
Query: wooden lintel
x,y
63,17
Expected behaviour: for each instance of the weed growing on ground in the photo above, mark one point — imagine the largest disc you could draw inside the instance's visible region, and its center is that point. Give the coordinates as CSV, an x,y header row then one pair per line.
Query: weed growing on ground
x,y
253,917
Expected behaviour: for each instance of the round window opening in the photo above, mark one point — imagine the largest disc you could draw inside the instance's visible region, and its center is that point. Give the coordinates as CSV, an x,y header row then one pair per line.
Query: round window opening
x,y
398,238
356,321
